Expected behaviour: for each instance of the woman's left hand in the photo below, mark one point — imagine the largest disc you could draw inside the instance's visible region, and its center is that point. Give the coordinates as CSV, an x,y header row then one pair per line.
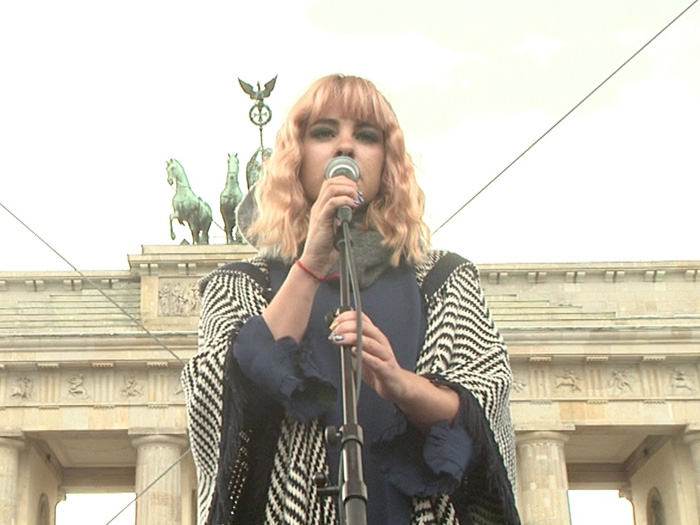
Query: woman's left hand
x,y
423,403
380,370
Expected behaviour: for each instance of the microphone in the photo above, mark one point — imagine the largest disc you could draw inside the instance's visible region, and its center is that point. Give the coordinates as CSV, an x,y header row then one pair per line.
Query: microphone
x,y
346,167
343,165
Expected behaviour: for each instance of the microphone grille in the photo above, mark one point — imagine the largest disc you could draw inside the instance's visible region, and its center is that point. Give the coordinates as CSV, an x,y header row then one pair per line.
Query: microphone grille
x,y
344,166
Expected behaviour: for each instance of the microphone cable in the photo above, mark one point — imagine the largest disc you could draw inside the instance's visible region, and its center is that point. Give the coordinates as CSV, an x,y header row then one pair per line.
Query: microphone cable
x,y
352,272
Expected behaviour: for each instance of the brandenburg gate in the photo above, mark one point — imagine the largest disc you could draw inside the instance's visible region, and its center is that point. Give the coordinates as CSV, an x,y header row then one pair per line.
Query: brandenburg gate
x,y
606,391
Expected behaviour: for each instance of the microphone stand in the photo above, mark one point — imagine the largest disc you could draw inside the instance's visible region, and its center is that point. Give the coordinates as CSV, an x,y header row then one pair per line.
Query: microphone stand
x,y
352,496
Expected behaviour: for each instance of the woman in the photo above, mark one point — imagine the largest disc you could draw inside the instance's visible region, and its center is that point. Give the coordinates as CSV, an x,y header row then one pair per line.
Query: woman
x,y
438,442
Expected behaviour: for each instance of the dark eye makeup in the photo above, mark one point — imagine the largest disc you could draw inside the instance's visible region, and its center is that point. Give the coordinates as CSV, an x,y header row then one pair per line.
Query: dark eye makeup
x,y
366,132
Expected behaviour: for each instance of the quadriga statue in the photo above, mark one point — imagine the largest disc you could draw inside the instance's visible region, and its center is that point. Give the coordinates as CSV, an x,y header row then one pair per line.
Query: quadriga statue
x,y
229,200
253,169
187,207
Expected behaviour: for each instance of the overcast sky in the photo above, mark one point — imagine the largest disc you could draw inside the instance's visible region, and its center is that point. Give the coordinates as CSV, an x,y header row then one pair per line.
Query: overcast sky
x,y
97,96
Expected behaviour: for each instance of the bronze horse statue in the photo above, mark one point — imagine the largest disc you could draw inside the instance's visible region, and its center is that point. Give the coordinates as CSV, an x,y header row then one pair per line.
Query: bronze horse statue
x,y
229,200
187,207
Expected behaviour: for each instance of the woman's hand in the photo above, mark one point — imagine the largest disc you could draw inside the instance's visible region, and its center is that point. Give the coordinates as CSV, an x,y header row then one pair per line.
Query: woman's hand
x,y
380,370
319,252
423,403
288,313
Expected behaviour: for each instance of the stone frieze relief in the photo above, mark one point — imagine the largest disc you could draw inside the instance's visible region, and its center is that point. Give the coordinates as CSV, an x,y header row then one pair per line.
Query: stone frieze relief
x,y
77,388
177,298
22,388
602,381
92,386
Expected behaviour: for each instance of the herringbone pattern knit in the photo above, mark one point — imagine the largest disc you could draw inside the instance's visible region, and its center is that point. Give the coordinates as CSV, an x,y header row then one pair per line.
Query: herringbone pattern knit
x,y
462,348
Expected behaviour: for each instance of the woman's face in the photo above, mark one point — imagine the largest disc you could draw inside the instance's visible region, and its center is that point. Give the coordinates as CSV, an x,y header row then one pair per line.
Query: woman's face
x,y
331,135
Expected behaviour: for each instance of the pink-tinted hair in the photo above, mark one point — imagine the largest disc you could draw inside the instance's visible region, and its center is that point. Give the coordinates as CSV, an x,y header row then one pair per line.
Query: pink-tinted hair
x,y
283,209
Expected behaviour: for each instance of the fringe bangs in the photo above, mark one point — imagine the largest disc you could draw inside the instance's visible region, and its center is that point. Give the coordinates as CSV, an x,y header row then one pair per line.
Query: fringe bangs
x,y
357,98
397,213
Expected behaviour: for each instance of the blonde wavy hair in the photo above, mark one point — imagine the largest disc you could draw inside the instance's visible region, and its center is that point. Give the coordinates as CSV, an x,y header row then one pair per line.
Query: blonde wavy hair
x,y
282,219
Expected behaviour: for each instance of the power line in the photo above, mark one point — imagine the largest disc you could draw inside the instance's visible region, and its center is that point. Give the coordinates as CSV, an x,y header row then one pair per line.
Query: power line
x,y
147,487
561,119
133,319
95,285
138,323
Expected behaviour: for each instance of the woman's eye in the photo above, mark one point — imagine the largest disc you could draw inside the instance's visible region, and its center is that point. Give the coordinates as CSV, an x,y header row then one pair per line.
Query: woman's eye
x,y
368,135
321,133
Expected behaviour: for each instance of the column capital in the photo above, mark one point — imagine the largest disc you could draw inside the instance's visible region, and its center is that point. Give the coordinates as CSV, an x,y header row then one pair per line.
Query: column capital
x,y
158,476
542,478
13,440
541,436
140,440
625,492
691,437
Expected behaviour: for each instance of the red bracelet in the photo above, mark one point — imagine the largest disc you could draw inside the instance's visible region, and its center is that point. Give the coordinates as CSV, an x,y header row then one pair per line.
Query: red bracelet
x,y
312,274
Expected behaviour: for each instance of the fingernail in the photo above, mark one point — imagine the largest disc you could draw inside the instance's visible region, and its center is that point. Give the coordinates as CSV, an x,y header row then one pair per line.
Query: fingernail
x,y
336,337
360,197
357,202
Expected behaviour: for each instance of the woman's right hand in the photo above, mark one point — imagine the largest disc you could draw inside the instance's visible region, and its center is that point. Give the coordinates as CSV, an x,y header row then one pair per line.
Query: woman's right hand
x,y
319,251
288,313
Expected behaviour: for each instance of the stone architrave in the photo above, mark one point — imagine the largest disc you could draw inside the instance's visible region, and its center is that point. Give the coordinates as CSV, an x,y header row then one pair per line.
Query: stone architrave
x,y
542,478
9,478
161,504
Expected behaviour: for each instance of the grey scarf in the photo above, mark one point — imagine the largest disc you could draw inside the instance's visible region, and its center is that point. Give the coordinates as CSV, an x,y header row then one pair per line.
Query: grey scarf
x,y
371,257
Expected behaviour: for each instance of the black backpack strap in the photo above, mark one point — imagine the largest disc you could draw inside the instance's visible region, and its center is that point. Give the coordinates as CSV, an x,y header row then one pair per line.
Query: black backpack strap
x,y
254,272
437,275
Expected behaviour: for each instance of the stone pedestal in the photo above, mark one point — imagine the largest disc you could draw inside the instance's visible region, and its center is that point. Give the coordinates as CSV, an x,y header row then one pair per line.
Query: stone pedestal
x,y
9,474
543,484
157,457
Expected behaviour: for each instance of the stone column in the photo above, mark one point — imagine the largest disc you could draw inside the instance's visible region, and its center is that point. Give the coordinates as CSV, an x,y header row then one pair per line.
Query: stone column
x,y
542,479
161,504
692,439
9,478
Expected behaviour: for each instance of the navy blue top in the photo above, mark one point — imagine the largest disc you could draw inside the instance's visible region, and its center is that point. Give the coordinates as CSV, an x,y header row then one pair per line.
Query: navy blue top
x,y
398,460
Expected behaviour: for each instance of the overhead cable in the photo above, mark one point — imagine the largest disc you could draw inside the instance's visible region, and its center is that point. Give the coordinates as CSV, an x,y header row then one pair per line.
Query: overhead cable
x,y
95,285
561,119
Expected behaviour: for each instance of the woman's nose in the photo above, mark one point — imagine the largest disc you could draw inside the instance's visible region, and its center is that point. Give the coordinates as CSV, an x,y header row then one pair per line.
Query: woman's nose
x,y
346,151
345,146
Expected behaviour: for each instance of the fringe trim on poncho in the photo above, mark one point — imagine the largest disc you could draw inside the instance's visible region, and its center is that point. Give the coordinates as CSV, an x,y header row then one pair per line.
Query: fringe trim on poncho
x,y
272,481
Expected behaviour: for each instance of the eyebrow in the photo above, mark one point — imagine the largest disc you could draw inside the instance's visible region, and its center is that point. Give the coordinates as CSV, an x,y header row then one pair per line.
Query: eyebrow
x,y
366,124
336,122
326,120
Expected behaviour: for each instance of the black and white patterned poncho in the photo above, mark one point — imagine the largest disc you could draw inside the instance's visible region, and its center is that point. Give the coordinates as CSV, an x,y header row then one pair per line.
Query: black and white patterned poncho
x,y
462,348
